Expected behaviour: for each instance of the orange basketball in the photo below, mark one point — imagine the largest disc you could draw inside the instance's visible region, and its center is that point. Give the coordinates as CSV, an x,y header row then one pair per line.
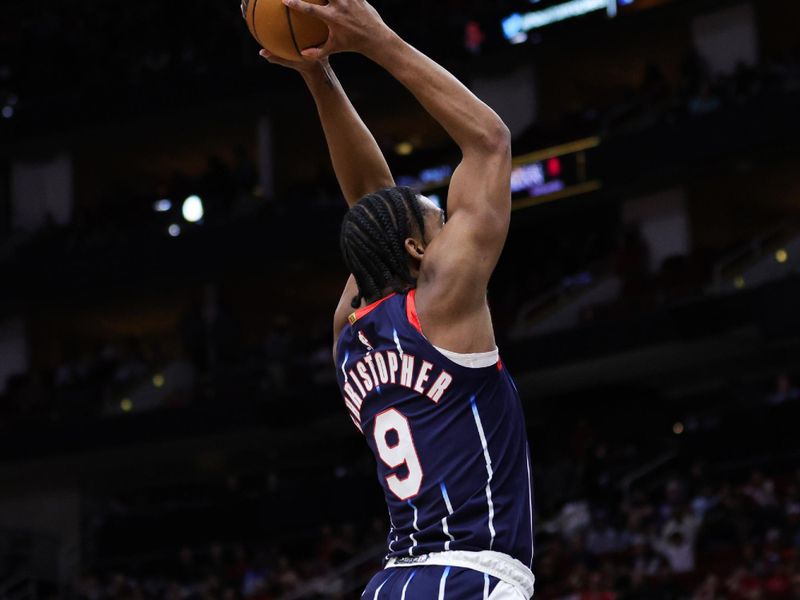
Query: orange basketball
x,y
282,31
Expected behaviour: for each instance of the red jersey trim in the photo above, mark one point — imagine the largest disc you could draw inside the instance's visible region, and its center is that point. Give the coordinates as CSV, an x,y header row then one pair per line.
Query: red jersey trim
x,y
411,310
363,312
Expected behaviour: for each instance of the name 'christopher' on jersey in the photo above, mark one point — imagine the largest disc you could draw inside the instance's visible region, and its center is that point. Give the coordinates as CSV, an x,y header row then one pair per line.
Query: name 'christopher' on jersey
x,y
449,440
380,368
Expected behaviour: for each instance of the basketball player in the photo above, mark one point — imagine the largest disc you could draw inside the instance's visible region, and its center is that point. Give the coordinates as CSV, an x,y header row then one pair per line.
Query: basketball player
x,y
415,351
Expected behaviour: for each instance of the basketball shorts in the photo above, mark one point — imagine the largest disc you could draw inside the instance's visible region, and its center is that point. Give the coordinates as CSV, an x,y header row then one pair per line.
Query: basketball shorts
x,y
442,583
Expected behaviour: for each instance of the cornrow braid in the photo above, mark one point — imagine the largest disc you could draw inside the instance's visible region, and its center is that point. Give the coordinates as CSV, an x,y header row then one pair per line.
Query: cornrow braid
x,y
373,238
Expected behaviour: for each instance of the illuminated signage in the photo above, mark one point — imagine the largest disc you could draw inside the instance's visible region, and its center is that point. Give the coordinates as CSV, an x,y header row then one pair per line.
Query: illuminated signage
x,y
517,26
544,176
537,179
436,174
428,178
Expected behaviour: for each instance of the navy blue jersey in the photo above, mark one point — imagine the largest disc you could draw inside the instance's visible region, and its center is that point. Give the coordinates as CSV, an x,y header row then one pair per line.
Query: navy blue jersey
x,y
449,441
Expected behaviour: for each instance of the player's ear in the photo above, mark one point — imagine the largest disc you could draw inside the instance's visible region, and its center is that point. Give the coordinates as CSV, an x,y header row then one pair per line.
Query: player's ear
x,y
415,249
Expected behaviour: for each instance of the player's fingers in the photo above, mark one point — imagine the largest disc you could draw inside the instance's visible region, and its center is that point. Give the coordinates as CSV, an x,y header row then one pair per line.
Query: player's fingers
x,y
313,53
320,53
320,12
274,60
268,56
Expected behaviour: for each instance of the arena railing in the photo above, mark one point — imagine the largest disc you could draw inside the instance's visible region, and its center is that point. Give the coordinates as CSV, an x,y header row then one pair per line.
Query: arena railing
x,y
730,267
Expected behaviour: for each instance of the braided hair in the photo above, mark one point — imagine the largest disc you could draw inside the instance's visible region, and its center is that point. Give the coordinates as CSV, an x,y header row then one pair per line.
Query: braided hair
x,y
373,239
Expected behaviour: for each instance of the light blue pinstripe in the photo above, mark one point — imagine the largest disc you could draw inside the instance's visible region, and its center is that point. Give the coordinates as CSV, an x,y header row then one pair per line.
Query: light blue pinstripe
x,y
443,582
489,471
405,587
378,591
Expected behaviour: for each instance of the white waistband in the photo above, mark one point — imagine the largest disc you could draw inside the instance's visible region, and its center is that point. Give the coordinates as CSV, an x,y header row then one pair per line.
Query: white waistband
x,y
496,564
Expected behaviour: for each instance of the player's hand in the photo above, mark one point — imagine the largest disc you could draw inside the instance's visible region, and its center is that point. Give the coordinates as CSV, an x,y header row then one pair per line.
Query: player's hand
x,y
303,67
354,25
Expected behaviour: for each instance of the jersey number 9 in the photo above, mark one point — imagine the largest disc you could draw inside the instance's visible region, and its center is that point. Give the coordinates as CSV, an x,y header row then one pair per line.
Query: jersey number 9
x,y
402,453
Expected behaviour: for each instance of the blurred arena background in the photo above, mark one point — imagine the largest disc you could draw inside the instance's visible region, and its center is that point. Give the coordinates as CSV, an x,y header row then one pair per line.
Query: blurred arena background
x,y
170,426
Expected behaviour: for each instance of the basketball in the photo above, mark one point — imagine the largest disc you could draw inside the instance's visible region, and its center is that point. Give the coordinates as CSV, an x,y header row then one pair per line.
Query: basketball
x,y
284,32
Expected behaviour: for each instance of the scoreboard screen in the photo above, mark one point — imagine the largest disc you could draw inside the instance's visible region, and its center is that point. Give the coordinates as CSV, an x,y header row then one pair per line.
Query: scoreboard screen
x,y
543,176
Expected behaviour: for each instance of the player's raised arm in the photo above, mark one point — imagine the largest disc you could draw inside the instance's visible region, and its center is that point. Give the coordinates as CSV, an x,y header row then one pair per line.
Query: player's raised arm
x,y
357,160
457,264
461,260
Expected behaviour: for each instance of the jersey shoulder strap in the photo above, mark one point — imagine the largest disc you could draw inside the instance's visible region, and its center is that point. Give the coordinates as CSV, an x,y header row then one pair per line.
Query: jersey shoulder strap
x,y
363,312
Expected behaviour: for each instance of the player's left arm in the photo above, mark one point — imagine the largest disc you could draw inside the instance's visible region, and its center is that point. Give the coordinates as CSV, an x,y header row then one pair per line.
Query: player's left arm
x,y
358,162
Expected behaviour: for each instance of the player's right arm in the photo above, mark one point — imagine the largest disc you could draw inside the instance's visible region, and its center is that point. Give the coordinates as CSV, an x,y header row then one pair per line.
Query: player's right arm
x,y
457,265
358,162
357,159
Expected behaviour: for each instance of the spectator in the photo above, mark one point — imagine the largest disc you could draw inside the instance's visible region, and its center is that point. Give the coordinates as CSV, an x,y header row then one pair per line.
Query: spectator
x,y
744,585
704,501
645,562
602,538
777,583
683,522
677,549
256,578
598,589
710,589
761,490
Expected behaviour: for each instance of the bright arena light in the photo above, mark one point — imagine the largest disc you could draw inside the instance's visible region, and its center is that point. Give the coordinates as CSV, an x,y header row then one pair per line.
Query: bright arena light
x,y
174,230
193,210
163,206
782,256
404,148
